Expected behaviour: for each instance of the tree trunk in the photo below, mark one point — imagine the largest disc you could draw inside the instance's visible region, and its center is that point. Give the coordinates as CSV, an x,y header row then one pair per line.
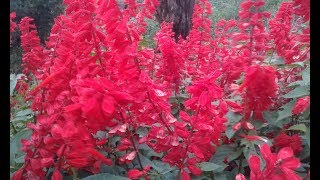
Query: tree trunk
x,y
179,12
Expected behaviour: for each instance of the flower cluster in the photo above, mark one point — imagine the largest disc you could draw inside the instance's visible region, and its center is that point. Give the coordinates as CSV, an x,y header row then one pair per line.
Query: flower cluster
x,y
93,75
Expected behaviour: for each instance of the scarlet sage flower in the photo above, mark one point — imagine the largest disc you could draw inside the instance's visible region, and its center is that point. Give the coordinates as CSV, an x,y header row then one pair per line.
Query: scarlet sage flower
x,y
283,140
259,87
279,165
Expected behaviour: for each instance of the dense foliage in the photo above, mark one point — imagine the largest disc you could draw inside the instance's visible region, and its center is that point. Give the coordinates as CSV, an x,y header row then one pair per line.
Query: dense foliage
x,y
105,105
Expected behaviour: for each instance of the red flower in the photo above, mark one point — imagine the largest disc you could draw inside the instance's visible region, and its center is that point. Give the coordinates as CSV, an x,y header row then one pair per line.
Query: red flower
x,y
278,165
260,87
301,105
283,140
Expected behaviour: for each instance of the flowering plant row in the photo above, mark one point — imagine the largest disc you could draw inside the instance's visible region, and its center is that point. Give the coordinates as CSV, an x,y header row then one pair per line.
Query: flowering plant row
x,y
232,105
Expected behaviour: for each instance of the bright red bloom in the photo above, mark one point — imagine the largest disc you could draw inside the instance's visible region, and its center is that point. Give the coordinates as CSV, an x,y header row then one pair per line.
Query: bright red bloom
x,y
259,88
301,105
279,165
283,140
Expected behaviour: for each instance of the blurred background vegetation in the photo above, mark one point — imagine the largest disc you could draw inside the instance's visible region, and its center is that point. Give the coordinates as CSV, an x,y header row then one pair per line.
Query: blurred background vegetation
x,y
44,11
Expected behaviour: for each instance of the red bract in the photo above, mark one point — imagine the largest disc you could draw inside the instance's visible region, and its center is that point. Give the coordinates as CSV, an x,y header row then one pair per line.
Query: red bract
x,y
301,105
279,165
283,140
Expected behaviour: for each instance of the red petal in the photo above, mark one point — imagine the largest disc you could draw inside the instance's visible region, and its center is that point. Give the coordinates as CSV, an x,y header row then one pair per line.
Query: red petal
x,y
131,155
254,164
185,175
240,177
285,153
184,116
195,170
108,105
290,174
291,163
17,175
134,174
203,99
237,126
197,152
56,175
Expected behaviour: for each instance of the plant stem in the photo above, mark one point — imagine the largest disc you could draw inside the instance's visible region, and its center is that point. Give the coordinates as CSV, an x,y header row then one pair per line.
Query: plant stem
x,y
138,156
240,163
14,129
74,174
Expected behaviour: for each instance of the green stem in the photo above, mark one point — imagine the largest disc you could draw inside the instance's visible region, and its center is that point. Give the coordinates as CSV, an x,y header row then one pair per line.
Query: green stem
x,y
14,129
240,163
138,156
74,174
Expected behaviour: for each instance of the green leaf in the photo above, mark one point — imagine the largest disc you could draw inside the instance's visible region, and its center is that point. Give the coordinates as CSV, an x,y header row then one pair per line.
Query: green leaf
x,y
145,162
307,136
298,127
306,75
15,144
13,83
296,83
233,117
209,166
301,64
20,160
166,168
287,110
235,155
298,92
220,176
221,152
142,131
105,176
230,132
24,112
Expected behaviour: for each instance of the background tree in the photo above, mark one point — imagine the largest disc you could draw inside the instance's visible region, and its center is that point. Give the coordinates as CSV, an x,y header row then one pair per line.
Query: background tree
x,y
179,12
43,12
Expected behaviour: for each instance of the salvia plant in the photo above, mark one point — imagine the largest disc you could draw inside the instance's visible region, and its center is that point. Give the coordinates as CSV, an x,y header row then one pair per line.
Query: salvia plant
x,y
228,103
